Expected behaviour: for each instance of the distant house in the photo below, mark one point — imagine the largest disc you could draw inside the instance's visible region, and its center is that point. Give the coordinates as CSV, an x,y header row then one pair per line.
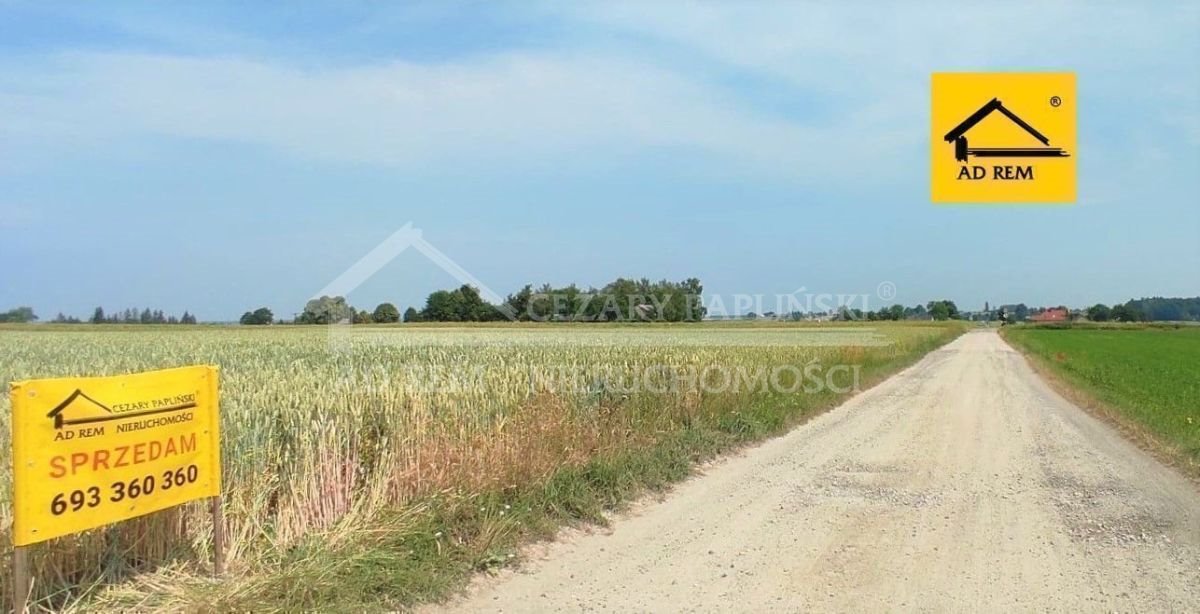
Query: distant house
x,y
1053,314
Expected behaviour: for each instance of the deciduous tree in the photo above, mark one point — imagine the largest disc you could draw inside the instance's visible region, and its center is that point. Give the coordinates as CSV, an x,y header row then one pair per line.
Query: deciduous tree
x,y
386,313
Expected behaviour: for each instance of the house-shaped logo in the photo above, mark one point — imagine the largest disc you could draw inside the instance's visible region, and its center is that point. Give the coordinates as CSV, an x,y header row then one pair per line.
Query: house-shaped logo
x,y
382,254
79,408
1003,138
962,151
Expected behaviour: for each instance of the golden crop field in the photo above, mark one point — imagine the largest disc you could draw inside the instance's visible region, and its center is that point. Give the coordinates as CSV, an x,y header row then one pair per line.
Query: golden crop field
x,y
460,439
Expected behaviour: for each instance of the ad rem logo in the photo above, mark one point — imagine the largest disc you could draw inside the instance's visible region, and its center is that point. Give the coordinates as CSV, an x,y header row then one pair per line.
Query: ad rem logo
x,y
962,150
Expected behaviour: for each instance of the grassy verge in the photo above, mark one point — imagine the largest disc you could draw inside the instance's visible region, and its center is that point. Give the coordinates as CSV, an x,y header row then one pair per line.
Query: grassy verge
x,y
430,547
1143,379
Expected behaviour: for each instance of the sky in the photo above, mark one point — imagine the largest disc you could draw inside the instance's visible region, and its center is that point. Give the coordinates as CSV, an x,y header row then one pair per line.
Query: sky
x,y
218,157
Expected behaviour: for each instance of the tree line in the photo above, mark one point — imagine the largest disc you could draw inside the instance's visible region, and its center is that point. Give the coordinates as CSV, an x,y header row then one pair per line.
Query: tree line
x,y
933,310
1170,309
334,309
617,301
1117,313
131,316
620,300
128,316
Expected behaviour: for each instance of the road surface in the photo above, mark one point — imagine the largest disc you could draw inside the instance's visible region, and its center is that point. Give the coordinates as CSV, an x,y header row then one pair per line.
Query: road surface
x,y
963,483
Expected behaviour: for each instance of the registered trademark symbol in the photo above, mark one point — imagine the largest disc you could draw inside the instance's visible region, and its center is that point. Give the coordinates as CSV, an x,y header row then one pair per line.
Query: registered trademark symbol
x,y
886,290
1055,101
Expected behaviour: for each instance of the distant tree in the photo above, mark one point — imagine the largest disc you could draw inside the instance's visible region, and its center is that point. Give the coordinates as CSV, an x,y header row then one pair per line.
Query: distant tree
x,y
20,315
98,316
472,307
937,310
386,313
1125,313
187,318
259,317
326,310
943,310
519,303
1020,312
441,306
1099,313
955,314
411,315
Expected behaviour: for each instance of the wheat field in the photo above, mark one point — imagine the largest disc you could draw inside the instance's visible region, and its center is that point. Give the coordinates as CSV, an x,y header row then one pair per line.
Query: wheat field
x,y
328,430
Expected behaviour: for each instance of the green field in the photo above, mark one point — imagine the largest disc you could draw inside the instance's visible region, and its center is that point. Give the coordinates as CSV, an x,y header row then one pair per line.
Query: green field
x,y
1147,376
376,467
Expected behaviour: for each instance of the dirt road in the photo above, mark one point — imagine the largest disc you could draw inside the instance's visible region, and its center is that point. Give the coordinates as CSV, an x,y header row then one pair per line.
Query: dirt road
x,y
963,483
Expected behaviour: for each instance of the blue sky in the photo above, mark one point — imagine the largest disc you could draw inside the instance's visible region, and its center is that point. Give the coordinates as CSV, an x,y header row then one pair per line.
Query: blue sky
x,y
220,157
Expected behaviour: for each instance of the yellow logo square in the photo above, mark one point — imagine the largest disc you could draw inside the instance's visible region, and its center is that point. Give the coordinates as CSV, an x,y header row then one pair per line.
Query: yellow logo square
x,y
1003,138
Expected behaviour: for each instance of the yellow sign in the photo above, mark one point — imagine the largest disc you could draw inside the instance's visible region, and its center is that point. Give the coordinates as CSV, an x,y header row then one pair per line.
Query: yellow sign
x,y
90,451
1003,137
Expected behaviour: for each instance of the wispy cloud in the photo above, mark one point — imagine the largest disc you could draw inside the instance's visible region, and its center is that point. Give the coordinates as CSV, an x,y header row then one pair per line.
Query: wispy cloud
x,y
504,108
863,73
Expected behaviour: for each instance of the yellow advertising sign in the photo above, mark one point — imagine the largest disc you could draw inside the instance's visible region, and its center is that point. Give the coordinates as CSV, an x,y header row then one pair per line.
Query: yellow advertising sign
x,y
1003,137
89,451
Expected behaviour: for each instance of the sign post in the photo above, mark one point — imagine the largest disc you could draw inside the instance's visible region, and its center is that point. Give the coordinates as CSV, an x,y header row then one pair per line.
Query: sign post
x,y
22,582
92,451
218,518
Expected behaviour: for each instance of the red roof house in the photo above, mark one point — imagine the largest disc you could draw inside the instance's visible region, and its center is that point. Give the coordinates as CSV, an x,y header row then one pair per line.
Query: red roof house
x,y
1054,314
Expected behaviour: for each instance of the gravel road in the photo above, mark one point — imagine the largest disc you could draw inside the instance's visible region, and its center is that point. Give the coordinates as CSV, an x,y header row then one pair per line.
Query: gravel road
x,y
962,483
